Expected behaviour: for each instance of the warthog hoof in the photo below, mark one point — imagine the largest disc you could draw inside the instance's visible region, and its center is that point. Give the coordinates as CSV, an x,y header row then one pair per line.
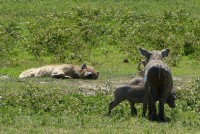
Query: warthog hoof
x,y
153,117
161,119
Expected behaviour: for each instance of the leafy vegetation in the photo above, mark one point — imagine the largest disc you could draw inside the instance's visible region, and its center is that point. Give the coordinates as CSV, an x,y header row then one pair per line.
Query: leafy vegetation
x,y
103,34
78,31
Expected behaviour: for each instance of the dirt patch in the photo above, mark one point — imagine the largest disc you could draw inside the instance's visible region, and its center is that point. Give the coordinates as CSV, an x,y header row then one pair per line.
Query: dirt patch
x,y
88,88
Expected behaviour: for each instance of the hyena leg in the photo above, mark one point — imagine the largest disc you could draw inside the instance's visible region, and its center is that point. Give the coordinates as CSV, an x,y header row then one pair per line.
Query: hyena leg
x,y
58,76
112,105
57,73
133,109
67,77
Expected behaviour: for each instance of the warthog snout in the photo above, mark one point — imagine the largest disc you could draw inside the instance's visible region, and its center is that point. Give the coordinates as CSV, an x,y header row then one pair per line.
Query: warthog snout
x,y
171,100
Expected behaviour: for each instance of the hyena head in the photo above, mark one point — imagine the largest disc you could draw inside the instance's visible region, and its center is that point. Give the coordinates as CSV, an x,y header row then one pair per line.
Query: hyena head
x,y
88,72
154,55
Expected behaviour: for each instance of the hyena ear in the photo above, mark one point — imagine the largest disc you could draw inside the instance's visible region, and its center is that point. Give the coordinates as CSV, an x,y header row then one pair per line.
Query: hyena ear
x,y
144,52
165,52
83,66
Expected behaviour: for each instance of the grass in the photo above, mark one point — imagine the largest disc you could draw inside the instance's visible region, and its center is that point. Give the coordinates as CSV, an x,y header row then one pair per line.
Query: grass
x,y
102,34
80,106
132,125
41,32
24,8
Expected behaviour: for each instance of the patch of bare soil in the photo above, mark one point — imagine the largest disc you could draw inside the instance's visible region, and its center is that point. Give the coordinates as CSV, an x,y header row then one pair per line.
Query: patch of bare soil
x,y
91,87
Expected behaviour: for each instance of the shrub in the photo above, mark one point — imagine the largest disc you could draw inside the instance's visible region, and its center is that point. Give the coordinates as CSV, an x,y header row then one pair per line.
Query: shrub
x,y
81,31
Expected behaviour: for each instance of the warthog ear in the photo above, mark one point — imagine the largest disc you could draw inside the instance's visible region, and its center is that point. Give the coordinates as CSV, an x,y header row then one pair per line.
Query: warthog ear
x,y
83,66
165,52
144,52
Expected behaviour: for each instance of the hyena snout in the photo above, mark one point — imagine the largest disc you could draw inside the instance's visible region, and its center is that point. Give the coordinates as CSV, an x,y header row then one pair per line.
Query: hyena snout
x,y
91,75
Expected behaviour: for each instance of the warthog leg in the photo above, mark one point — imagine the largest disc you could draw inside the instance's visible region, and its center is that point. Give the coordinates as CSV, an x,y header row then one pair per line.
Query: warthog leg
x,y
153,110
161,110
152,104
145,102
133,109
112,105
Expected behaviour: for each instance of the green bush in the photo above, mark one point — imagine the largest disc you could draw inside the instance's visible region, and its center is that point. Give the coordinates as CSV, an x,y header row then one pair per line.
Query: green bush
x,y
80,31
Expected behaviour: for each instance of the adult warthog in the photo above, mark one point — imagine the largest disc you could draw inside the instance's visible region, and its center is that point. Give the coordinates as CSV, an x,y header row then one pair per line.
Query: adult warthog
x,y
158,81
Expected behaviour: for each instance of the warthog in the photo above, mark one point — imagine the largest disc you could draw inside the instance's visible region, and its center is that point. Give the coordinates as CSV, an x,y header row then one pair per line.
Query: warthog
x,y
158,81
136,81
134,93
62,71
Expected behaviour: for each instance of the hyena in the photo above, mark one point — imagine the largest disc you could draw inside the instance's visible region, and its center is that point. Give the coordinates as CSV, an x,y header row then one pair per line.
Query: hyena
x,y
62,71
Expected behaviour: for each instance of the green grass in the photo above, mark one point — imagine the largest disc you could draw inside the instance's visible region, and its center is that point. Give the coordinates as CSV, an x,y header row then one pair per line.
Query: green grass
x,y
57,106
80,106
102,34
36,32
24,8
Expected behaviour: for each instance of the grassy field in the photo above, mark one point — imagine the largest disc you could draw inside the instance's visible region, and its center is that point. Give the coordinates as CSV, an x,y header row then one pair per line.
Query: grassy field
x,y
102,34
80,106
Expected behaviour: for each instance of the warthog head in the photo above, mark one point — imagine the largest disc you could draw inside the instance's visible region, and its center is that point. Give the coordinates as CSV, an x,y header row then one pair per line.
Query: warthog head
x,y
88,72
171,99
154,55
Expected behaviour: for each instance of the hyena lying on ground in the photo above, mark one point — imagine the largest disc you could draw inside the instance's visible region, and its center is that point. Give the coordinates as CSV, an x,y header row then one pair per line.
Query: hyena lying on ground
x,y
134,93
62,71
